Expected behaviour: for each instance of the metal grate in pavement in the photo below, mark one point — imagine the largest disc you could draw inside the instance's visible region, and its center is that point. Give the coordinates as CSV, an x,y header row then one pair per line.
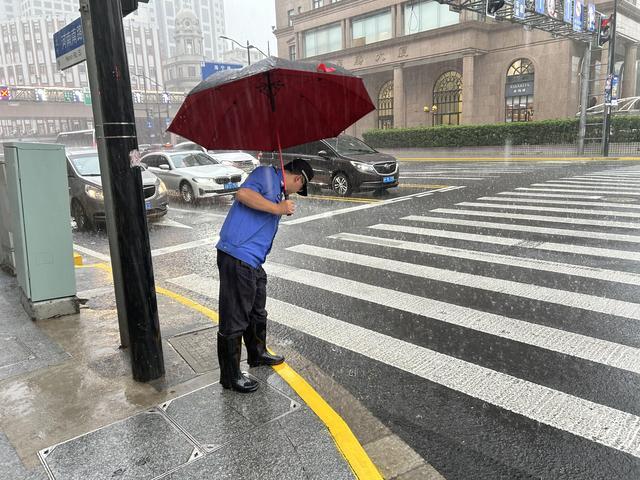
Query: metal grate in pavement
x,y
198,349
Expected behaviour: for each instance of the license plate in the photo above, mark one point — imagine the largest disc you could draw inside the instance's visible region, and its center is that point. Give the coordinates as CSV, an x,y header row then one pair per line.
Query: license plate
x,y
230,186
387,180
148,205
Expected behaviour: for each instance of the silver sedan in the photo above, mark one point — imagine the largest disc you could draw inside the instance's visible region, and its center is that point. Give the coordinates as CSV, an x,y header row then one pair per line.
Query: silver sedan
x,y
194,175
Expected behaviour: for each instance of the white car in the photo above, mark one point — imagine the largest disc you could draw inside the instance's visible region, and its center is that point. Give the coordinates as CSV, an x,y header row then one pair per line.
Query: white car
x,y
236,158
194,175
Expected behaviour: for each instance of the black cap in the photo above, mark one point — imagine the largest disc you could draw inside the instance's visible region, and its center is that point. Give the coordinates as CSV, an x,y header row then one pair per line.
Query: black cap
x,y
299,166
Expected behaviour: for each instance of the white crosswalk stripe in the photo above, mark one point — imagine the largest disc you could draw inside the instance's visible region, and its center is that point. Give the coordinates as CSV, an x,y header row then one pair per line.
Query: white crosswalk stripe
x,y
539,218
561,201
567,189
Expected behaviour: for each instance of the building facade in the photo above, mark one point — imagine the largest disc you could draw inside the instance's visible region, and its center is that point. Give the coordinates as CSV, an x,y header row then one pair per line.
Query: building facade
x,y
424,64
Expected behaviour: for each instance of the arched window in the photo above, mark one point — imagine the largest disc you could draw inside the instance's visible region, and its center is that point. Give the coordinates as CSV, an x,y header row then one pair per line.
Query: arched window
x,y
385,106
518,91
447,98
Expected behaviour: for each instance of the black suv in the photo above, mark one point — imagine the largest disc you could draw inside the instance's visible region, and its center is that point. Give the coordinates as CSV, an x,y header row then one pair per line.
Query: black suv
x,y
343,164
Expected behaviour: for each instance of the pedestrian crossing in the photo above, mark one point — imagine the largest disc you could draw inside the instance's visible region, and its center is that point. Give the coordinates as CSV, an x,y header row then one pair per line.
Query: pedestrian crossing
x,y
476,171
559,282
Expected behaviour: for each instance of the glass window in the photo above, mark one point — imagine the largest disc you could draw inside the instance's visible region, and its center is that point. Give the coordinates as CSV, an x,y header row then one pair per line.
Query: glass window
x,y
292,52
373,28
385,106
422,16
322,40
447,98
519,91
290,14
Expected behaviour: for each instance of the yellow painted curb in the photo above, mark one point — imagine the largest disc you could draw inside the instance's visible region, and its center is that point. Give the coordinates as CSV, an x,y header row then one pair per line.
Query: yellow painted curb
x,y
77,259
344,438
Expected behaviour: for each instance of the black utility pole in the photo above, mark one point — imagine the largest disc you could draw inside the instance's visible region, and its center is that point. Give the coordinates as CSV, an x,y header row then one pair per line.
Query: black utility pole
x,y
122,185
606,123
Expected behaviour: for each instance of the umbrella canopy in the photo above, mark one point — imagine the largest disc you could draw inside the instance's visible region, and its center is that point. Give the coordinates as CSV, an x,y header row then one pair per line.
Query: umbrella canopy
x,y
271,104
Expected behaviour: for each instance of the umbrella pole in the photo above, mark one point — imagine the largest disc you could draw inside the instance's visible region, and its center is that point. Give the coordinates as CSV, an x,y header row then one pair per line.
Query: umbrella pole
x,y
284,186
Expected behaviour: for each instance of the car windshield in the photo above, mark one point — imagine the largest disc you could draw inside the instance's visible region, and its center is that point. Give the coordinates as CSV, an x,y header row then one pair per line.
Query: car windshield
x,y
183,160
349,145
87,165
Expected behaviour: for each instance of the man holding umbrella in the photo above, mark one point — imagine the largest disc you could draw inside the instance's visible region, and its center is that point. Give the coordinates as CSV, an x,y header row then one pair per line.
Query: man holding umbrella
x,y
245,241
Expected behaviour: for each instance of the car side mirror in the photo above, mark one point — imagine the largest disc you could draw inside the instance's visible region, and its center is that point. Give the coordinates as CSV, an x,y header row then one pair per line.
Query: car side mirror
x,y
165,166
323,153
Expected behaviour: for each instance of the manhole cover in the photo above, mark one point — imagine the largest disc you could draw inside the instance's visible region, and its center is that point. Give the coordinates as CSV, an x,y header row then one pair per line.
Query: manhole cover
x,y
198,349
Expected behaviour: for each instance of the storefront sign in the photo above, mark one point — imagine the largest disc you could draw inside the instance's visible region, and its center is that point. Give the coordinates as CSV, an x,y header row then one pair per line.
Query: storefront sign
x,y
516,89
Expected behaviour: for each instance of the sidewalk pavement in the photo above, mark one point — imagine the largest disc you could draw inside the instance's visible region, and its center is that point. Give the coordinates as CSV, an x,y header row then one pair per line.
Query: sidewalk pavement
x,y
69,408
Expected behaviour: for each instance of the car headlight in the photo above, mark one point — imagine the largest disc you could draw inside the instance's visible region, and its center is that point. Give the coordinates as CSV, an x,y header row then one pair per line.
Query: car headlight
x,y
364,167
162,188
203,180
94,192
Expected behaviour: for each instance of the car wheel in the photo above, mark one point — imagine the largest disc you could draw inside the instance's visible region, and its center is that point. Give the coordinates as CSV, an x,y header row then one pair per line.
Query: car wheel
x,y
341,185
79,215
186,192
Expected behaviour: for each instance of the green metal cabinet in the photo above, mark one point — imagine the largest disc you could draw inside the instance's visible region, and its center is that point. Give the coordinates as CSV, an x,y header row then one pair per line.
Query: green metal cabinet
x,y
39,201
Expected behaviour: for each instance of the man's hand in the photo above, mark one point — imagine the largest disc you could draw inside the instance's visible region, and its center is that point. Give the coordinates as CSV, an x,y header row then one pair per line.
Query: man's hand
x,y
286,207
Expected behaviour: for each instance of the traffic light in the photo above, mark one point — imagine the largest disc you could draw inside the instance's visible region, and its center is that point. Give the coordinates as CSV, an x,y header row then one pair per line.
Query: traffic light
x,y
129,6
493,6
604,30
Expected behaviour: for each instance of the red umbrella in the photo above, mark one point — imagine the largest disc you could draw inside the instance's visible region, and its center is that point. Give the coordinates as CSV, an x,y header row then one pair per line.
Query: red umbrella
x,y
270,105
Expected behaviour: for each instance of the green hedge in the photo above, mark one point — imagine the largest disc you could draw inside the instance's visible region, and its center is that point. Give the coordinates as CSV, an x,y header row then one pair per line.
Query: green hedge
x,y
624,129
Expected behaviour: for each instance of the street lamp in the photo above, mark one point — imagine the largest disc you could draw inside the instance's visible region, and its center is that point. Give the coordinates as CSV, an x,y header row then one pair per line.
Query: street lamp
x,y
248,47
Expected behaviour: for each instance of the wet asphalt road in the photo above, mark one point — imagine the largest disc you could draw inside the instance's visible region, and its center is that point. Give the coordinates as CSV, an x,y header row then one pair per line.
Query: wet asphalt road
x,y
495,330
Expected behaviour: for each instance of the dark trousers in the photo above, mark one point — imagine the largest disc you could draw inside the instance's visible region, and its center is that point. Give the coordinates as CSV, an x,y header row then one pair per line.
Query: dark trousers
x,y
243,295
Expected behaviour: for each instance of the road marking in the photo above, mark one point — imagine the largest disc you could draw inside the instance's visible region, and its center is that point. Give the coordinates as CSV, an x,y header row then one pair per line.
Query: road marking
x,y
598,183
184,246
607,306
154,253
420,185
198,212
551,195
166,222
545,218
333,213
563,202
496,258
92,253
606,189
527,229
427,177
516,159
603,192
343,199
597,423
514,242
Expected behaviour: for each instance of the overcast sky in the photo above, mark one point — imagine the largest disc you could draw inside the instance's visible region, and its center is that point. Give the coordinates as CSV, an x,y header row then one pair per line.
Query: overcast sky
x,y
251,20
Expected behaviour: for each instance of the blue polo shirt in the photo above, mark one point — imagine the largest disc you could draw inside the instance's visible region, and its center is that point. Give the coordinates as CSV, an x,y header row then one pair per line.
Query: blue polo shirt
x,y
247,234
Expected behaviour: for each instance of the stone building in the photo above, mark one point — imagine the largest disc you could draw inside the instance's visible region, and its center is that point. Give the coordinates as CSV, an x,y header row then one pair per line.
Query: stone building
x,y
424,64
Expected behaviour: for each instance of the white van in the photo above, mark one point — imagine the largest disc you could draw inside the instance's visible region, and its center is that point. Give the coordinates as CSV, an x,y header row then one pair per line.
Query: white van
x,y
78,138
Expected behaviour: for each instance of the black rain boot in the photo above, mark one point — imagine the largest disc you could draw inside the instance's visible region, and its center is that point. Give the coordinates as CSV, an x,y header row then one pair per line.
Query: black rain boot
x,y
229,350
255,338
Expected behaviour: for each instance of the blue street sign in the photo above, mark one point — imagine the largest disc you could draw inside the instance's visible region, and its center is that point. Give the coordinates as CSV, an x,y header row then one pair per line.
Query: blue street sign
x,y
69,45
167,121
568,11
539,6
209,68
149,122
578,15
591,17
519,9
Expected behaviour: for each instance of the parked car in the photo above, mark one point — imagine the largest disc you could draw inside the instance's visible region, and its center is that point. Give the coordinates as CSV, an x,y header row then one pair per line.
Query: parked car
x,y
189,146
194,175
236,158
344,164
77,138
85,190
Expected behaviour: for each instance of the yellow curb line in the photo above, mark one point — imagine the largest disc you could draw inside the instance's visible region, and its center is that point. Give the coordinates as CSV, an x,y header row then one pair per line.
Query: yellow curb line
x,y
516,159
77,259
344,438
